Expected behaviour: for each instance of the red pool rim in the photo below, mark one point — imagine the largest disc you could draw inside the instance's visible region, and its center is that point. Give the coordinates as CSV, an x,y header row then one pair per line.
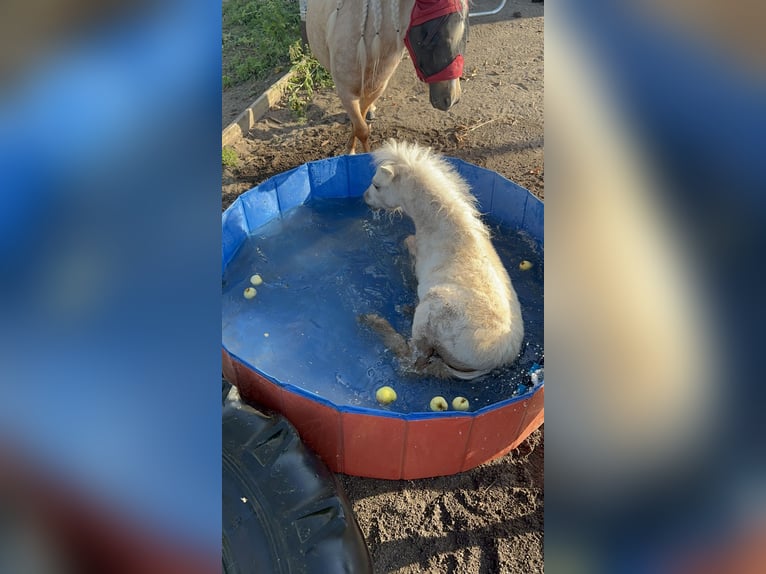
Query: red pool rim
x,y
383,444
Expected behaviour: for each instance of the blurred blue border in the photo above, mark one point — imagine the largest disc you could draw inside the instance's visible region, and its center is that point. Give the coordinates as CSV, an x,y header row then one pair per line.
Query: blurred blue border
x,y
110,158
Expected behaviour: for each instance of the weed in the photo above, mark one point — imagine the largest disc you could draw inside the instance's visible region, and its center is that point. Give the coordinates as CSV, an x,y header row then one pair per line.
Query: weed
x,y
261,37
308,76
229,157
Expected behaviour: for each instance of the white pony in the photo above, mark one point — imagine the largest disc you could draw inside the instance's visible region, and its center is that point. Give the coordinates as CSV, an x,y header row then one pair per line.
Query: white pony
x,y
361,42
468,319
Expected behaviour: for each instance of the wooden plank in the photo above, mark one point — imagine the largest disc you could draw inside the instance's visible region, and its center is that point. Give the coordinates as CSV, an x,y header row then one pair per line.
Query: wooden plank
x,y
255,111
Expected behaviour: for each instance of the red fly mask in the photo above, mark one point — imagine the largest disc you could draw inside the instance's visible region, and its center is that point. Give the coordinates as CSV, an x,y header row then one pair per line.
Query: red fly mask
x,y
436,39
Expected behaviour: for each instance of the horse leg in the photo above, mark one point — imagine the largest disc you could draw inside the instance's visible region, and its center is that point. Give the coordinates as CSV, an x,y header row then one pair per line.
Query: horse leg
x,y
359,128
367,107
368,104
372,99
411,244
351,144
366,140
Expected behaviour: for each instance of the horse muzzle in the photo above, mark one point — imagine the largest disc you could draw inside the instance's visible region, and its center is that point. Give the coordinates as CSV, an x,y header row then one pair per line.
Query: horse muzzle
x,y
436,41
369,200
444,95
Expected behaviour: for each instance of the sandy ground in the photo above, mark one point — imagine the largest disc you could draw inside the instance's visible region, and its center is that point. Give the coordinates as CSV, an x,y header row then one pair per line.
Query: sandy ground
x,y
488,520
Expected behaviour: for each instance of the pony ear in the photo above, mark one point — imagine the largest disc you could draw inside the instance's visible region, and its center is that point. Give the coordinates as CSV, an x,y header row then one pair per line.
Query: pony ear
x,y
384,175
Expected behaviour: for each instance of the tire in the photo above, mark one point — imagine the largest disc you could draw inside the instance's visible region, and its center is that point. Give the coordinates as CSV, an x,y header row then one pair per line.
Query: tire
x,y
283,510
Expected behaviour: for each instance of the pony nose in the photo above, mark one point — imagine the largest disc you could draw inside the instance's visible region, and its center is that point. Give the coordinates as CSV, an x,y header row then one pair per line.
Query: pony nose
x,y
442,102
444,95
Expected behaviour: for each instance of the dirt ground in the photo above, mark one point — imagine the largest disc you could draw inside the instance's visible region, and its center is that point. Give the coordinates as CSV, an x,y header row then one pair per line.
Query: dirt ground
x,y
488,520
485,521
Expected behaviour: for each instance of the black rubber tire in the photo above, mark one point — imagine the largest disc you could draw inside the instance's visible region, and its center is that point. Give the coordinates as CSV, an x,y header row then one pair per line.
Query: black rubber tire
x,y
283,510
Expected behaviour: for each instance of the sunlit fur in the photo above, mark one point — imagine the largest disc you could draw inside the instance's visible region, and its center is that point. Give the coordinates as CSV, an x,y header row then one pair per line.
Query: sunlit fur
x,y
468,319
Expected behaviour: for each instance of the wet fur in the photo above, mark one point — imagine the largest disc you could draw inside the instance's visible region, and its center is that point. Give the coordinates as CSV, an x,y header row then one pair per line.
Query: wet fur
x,y
468,320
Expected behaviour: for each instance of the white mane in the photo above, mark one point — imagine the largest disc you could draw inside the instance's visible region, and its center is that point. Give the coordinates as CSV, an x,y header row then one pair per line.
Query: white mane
x,y
424,172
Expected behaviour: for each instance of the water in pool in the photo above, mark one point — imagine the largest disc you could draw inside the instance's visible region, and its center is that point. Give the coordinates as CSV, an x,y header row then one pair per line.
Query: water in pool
x,y
328,261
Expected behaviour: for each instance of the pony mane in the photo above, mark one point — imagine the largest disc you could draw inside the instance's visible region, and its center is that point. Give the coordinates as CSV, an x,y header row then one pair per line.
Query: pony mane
x,y
445,188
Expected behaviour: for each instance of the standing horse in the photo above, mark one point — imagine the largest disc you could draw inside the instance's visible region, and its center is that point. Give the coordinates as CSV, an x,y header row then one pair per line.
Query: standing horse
x,y
361,44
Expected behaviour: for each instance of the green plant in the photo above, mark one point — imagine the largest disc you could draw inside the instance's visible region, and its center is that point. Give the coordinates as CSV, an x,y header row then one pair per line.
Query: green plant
x,y
308,76
229,157
256,38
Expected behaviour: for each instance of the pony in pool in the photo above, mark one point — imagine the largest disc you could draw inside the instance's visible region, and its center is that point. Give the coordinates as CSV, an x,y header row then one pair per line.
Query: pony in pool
x,y
468,318
361,43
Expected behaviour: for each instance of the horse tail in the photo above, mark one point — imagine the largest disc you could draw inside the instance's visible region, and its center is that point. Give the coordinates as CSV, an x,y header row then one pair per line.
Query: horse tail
x,y
432,366
361,48
377,18
396,20
330,30
392,340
